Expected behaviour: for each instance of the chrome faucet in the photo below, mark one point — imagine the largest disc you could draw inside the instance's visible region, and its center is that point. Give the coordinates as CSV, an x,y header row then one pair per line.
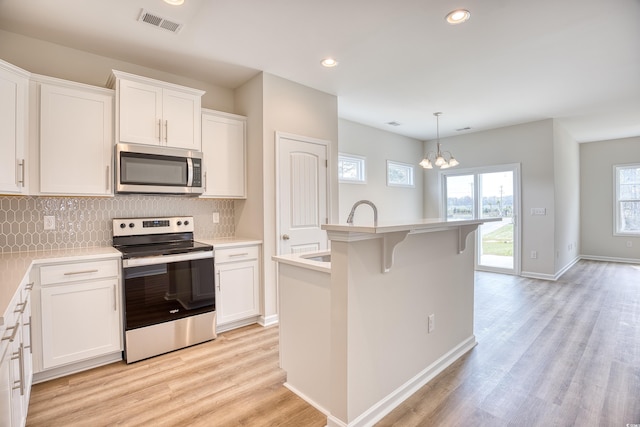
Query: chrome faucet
x,y
363,202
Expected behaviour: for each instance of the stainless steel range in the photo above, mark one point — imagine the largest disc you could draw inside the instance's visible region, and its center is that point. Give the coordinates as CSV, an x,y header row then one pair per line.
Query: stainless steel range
x,y
168,281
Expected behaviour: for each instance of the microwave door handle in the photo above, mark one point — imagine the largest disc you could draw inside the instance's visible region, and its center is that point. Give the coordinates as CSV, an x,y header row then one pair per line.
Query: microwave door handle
x,y
189,171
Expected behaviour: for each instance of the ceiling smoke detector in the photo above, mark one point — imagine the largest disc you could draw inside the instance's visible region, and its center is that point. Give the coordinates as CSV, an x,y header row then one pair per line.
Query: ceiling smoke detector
x,y
159,22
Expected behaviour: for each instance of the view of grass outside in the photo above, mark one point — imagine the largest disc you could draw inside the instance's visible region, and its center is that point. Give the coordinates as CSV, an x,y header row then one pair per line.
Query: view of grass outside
x,y
499,242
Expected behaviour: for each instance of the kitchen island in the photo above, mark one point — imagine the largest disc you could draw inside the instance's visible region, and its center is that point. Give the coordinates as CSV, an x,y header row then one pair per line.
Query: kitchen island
x,y
392,309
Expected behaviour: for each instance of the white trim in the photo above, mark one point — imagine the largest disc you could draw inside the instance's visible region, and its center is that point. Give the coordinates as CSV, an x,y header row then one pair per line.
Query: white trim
x,y
616,196
610,259
517,208
384,406
307,399
409,167
540,276
268,320
363,162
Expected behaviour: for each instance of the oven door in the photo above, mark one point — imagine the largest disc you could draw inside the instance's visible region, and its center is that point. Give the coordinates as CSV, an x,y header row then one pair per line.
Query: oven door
x,y
164,288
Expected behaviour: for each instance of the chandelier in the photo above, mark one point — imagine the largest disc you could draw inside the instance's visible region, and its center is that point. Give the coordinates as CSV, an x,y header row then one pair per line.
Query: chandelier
x,y
442,159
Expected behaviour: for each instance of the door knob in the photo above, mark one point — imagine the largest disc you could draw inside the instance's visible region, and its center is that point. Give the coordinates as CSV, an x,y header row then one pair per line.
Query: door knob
x,y
285,237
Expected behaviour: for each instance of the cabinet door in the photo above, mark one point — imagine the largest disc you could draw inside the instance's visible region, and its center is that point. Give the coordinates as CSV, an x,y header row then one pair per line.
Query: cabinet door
x,y
75,141
223,146
237,289
140,113
79,321
13,102
181,119
5,383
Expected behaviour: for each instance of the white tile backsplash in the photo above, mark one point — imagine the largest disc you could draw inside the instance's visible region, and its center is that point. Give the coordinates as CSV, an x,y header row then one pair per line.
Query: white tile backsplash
x,y
86,221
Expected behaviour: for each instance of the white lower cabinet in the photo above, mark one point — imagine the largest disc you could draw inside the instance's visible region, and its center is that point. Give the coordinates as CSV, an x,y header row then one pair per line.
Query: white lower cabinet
x,y
15,366
80,316
237,286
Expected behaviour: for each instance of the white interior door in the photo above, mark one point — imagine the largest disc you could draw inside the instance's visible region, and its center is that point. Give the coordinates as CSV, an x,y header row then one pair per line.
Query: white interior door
x,y
301,173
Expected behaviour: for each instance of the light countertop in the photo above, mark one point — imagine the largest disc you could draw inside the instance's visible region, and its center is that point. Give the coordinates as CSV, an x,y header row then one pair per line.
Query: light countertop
x,y
15,266
304,260
415,225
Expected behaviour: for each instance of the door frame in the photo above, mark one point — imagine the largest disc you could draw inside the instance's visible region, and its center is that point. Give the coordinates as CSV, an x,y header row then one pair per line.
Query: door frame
x,y
308,140
517,201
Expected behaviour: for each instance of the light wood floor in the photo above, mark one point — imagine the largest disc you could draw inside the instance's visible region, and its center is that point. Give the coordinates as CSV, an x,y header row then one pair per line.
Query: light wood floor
x,y
563,353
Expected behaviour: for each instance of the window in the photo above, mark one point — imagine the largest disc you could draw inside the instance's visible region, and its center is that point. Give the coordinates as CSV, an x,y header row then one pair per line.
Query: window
x,y
351,169
627,201
399,174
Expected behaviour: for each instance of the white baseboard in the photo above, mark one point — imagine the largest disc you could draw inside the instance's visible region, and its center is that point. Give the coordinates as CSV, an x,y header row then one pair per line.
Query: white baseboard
x,y
402,393
73,368
533,275
268,320
307,399
611,259
237,324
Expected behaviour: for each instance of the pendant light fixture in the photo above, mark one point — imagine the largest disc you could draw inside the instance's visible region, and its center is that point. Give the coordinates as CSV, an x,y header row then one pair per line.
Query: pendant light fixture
x,y
442,159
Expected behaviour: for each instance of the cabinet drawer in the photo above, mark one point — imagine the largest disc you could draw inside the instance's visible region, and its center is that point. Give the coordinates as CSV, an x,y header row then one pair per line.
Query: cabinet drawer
x,y
62,273
236,254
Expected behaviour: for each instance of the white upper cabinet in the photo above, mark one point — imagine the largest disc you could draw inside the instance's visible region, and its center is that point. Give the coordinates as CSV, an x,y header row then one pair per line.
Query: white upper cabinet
x,y
224,149
156,113
14,85
76,139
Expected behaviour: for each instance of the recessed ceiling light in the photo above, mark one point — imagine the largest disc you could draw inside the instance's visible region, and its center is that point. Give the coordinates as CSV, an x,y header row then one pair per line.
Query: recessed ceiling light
x,y
174,2
458,16
329,62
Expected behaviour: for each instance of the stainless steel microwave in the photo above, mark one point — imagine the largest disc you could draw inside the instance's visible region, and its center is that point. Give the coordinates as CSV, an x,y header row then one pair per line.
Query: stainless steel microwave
x,y
153,169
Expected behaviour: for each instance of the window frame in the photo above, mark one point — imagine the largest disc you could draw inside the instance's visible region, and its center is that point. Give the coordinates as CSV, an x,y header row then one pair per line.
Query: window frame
x,y
617,201
362,172
407,166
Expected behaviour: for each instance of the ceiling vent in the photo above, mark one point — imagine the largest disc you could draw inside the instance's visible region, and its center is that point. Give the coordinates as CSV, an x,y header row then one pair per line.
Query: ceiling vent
x,y
159,22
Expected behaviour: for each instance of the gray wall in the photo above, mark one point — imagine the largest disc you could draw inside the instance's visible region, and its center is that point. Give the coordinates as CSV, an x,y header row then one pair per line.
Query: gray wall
x,y
566,159
531,145
597,160
378,146
274,104
41,57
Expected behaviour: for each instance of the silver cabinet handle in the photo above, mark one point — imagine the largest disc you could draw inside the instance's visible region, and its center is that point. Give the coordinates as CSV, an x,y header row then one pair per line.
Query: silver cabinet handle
x,y
29,286
13,335
108,177
115,299
285,237
19,384
219,290
242,254
159,130
22,306
205,182
21,165
166,131
71,273
30,331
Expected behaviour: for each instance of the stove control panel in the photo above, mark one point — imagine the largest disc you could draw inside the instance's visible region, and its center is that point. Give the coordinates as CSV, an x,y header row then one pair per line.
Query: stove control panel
x,y
142,226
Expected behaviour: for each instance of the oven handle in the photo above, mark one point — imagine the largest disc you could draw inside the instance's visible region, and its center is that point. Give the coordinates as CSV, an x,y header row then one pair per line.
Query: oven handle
x,y
165,259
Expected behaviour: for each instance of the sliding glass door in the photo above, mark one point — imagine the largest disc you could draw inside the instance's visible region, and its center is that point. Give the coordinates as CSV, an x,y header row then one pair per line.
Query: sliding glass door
x,y
488,193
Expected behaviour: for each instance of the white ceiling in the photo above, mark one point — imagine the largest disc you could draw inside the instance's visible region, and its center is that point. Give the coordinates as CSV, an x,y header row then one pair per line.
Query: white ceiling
x,y
514,61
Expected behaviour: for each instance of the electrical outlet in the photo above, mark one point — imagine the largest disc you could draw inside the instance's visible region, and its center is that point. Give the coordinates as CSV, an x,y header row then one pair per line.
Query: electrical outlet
x,y
534,254
49,222
431,323
216,217
538,211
